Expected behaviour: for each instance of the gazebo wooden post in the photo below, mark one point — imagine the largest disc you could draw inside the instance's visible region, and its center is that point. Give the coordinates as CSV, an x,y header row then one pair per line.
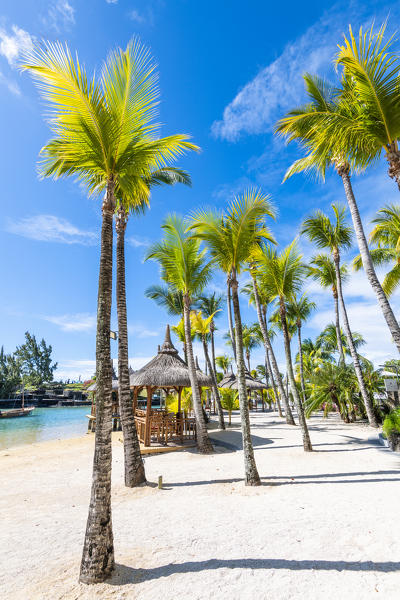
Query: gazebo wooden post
x,y
180,417
147,431
135,396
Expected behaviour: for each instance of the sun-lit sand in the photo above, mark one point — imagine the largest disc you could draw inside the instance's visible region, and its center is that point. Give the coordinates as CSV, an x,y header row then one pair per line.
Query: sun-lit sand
x,y
322,525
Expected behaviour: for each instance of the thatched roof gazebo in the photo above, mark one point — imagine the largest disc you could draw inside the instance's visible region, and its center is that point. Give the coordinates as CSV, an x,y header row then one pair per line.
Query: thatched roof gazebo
x,y
166,371
230,381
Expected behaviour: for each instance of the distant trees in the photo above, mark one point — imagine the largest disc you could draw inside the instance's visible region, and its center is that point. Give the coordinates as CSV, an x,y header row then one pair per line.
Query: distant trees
x,y
31,364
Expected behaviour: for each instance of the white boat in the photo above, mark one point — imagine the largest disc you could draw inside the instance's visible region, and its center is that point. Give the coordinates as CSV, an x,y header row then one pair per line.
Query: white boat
x,y
16,412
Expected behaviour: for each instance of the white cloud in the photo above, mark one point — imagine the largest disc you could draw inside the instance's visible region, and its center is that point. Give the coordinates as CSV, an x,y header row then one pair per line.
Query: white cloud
x,y
136,16
72,369
137,242
49,228
111,1
61,15
10,85
12,45
76,322
141,331
279,85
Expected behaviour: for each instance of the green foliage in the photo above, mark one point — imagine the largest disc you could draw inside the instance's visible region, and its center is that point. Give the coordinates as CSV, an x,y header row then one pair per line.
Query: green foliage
x,y
325,233
333,386
35,360
327,340
223,362
10,374
166,297
391,424
171,401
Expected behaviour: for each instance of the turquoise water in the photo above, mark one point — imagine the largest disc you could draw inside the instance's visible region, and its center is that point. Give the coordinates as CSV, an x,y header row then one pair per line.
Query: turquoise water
x,y
44,424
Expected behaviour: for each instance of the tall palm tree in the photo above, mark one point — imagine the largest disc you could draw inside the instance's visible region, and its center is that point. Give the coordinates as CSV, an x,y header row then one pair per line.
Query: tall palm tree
x,y
318,126
314,356
105,136
335,236
250,341
283,277
133,462
258,296
186,269
231,239
299,309
211,305
372,65
179,331
386,237
322,269
203,329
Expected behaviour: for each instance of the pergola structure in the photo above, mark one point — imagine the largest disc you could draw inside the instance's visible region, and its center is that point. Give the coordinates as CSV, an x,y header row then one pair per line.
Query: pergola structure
x,y
168,372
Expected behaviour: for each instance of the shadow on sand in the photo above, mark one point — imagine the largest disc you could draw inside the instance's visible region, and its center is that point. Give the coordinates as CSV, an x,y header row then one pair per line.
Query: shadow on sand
x,y
124,575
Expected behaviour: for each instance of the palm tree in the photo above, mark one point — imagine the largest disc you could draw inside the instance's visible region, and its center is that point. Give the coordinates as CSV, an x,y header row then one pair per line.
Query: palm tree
x,y
250,341
283,276
318,126
386,236
333,386
300,309
134,466
223,362
179,331
231,239
229,402
211,305
202,327
335,237
314,356
322,269
104,134
185,268
260,299
372,66
327,340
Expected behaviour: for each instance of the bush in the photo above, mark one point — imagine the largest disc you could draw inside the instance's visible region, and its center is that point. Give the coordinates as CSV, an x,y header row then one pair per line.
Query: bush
x,y
391,424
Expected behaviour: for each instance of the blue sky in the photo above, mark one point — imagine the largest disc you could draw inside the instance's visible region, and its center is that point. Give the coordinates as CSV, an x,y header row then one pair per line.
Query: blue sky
x,y
228,70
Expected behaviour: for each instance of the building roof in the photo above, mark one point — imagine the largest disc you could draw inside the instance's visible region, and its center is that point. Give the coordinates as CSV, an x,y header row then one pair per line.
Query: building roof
x,y
230,381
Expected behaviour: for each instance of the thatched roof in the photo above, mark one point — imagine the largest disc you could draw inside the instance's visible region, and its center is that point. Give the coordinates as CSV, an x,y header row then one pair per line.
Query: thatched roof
x,y
230,381
166,369
114,383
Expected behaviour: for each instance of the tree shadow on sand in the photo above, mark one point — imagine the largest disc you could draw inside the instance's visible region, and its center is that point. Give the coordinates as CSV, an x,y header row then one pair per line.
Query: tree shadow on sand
x,y
124,575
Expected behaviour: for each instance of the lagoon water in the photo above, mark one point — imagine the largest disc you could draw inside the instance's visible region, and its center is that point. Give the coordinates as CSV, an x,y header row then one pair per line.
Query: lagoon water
x,y
44,424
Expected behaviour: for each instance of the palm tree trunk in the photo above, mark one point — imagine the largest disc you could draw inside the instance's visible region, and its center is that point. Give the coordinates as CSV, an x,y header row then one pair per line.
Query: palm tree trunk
x,y
212,329
248,360
251,474
98,550
268,347
214,384
203,441
229,304
337,326
273,383
393,158
303,387
299,406
357,367
134,467
366,259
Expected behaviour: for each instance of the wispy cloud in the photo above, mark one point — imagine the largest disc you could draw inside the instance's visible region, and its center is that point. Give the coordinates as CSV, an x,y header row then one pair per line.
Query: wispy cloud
x,y
49,228
139,330
11,85
279,85
112,1
76,322
137,242
60,16
73,369
14,43
136,16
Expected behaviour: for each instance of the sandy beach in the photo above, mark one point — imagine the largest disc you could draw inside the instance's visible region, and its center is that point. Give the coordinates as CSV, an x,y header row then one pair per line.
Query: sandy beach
x,y
322,525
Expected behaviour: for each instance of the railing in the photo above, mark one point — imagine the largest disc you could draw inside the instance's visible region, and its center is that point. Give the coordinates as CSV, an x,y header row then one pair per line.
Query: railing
x,y
164,427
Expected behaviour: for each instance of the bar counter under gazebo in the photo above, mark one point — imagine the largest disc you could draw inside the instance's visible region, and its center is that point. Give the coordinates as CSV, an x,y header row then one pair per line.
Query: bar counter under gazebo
x,y
167,372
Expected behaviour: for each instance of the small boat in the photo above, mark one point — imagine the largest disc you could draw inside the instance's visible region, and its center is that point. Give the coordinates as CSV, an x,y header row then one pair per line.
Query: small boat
x,y
24,411
16,412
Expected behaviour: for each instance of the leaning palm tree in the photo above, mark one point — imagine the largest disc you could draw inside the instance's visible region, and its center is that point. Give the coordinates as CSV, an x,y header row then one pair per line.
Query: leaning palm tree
x,y
283,278
202,327
299,309
133,462
318,127
185,268
336,236
105,136
231,239
386,237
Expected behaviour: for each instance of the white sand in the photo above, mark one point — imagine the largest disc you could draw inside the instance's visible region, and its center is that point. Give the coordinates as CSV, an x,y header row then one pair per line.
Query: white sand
x,y
322,526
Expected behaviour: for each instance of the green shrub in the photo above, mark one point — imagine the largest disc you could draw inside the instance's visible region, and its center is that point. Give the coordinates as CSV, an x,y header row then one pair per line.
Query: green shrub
x,y
391,423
